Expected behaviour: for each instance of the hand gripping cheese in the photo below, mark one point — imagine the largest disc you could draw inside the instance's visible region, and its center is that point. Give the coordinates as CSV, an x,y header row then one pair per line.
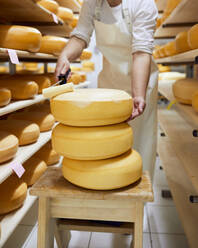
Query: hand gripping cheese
x,y
13,192
181,42
170,48
65,14
92,143
5,97
195,101
27,132
92,107
48,154
44,120
52,44
34,169
49,5
20,38
8,146
193,37
20,88
86,54
104,174
184,89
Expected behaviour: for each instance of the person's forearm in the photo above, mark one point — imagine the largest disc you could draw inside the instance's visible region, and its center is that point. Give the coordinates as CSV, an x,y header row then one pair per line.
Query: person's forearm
x,y
140,73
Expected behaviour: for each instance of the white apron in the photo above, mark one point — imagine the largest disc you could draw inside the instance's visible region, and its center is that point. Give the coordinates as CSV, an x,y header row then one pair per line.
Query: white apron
x,y
114,41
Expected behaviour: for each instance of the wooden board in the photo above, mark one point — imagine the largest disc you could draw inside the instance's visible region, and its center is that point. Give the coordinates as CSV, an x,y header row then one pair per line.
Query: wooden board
x,y
161,4
168,32
53,184
181,189
71,4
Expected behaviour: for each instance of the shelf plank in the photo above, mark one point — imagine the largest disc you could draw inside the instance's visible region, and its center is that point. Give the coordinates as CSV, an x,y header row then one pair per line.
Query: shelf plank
x,y
168,32
71,4
181,189
161,4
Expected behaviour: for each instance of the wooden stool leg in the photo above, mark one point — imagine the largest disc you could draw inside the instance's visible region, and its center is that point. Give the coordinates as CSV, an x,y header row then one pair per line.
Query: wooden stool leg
x,y
138,227
62,237
45,225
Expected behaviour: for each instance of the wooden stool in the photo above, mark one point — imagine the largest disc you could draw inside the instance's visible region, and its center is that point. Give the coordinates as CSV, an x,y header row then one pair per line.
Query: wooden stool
x,y
59,199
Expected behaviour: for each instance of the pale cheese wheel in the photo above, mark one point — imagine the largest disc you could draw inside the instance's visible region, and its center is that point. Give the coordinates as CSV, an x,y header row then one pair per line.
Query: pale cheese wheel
x,y
184,89
104,174
170,48
86,54
20,88
181,42
193,37
75,78
195,101
172,75
13,192
44,120
8,146
27,132
88,64
52,44
34,169
49,5
48,154
92,107
65,14
20,38
5,97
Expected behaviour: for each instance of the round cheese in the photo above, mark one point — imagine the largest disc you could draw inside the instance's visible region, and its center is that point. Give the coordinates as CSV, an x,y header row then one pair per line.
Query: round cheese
x,y
65,14
89,65
40,107
171,5
27,132
34,169
162,52
8,146
86,55
170,48
75,78
20,38
75,68
163,68
52,44
195,101
184,90
193,37
13,192
44,120
48,154
104,174
92,107
83,76
181,42
5,97
75,21
92,143
172,75
49,5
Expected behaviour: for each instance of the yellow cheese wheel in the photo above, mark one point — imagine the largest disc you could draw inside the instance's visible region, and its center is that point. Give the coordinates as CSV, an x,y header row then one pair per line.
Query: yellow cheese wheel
x,y
49,5
162,52
184,89
20,88
86,54
171,5
163,68
181,42
8,146
170,48
3,69
193,37
13,192
20,37
195,101
104,174
48,154
34,169
40,107
75,68
89,65
65,14
51,76
83,76
27,132
92,143
75,21
5,97
52,44
75,78
44,120
156,54
92,107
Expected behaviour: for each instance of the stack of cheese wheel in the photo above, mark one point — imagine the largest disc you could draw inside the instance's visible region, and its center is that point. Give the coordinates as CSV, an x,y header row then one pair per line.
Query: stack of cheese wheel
x,y
94,138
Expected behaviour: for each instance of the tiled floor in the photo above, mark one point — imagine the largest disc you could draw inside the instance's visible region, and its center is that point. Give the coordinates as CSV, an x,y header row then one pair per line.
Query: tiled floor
x,y
162,227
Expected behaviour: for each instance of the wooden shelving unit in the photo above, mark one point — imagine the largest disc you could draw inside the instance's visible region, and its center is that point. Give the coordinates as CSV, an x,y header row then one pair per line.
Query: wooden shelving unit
x,y
161,4
72,4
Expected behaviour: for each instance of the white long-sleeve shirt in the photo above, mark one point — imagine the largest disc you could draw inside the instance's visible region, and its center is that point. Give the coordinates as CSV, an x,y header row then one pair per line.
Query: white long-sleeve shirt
x,y
143,14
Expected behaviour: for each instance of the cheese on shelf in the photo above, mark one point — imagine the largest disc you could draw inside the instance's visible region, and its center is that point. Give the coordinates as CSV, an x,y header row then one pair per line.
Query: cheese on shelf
x,y
75,78
92,143
48,154
75,21
171,5
5,97
172,75
27,132
52,44
8,146
88,66
163,68
65,14
41,107
20,88
184,89
104,174
44,120
49,5
162,52
86,54
181,42
83,76
195,101
75,68
170,48
193,37
20,38
34,169
92,107
13,192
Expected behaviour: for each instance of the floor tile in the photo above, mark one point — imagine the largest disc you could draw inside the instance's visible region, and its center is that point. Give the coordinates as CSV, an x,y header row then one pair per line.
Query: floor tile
x,y
169,241
31,217
79,239
164,220
158,199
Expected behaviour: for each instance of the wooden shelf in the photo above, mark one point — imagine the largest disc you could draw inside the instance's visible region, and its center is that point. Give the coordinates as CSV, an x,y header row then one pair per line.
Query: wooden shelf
x,y
161,4
71,4
168,32
181,189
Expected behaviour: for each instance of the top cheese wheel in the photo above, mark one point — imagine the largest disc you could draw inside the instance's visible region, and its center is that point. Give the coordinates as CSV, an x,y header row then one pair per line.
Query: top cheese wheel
x,y
52,44
49,5
195,101
20,37
184,89
92,107
5,97
193,37
181,42
65,14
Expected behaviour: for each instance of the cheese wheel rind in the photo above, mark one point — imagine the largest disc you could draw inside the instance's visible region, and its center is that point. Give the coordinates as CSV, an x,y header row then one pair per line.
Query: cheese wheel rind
x,y
65,14
181,42
52,44
104,174
49,5
193,37
5,97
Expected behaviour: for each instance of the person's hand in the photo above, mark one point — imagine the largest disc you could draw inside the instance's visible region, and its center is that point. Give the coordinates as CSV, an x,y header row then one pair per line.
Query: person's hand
x,y
139,105
62,66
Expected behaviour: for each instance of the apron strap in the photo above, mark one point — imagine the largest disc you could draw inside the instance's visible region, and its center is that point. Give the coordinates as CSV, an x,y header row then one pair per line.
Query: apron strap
x,y
126,15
